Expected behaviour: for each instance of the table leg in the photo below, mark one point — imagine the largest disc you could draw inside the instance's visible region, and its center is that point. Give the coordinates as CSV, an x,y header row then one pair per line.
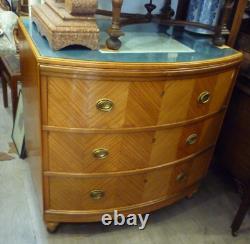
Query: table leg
x,y
167,12
5,92
218,39
14,97
114,31
244,207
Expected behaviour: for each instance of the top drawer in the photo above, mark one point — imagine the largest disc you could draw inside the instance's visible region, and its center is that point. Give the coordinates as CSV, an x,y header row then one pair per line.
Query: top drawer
x,y
115,104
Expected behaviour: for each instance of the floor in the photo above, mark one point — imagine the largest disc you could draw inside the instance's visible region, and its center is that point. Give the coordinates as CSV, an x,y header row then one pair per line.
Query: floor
x,y
204,219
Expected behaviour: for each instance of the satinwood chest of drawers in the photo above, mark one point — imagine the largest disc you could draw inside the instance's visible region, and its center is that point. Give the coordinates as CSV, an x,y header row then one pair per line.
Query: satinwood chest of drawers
x,y
126,132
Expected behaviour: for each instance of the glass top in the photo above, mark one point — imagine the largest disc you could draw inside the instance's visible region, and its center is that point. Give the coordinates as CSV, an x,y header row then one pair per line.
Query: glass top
x,y
186,46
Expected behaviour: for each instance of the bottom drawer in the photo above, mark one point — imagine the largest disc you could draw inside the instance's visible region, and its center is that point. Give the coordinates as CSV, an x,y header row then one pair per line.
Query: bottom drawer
x,y
94,192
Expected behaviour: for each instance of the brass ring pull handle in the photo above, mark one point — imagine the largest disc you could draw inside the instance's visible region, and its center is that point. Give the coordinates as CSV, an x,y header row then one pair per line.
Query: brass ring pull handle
x,y
181,177
204,97
97,194
192,139
105,105
100,153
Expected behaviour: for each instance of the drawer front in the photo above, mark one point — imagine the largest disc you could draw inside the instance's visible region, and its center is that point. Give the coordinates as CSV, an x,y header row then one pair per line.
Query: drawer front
x,y
104,192
112,104
86,153
188,99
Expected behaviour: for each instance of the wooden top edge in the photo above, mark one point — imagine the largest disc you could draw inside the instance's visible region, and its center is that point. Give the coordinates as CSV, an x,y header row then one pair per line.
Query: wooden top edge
x,y
28,38
234,58
154,67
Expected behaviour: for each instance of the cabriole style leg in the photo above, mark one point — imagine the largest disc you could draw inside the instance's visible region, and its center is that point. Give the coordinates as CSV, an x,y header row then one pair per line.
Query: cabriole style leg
x,y
114,31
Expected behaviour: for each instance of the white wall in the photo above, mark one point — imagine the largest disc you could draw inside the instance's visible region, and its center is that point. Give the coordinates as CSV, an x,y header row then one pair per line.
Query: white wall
x,y
136,6
32,2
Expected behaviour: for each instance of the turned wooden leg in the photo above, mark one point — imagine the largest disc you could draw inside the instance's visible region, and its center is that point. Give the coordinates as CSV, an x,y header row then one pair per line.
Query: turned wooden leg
x,y
150,8
167,12
114,31
244,207
52,226
218,39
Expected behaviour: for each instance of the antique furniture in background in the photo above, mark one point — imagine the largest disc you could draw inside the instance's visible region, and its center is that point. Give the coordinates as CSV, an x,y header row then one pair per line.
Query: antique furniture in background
x,y
233,150
23,8
243,45
166,18
10,75
205,12
9,61
132,132
69,22
235,8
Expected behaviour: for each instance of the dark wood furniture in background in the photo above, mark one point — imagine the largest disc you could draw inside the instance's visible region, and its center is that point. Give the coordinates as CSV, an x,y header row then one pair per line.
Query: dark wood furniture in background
x,y
239,9
244,207
235,10
10,75
23,8
166,17
233,149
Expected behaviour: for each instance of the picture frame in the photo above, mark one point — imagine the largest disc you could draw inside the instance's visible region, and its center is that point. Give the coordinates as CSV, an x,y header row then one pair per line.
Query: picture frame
x,y
18,133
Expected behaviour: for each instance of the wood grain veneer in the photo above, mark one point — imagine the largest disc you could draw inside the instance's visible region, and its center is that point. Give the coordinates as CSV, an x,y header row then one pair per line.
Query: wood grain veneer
x,y
72,102
156,110
73,152
74,193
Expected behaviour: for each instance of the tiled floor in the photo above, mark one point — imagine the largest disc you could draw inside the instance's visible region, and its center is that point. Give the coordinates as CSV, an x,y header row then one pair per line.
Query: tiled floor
x,y
204,219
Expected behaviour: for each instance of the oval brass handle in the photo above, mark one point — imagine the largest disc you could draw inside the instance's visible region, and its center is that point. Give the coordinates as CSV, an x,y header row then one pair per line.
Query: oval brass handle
x,y
100,153
204,97
192,139
97,194
181,177
104,104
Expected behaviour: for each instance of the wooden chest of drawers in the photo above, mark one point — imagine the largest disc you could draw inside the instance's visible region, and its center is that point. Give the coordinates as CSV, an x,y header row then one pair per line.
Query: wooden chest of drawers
x,y
130,137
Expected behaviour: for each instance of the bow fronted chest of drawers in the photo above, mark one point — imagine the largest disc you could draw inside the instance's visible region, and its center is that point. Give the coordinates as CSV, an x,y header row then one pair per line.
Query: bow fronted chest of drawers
x,y
132,132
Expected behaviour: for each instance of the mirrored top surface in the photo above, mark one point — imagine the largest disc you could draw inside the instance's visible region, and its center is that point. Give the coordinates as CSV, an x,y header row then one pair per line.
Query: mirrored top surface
x,y
142,43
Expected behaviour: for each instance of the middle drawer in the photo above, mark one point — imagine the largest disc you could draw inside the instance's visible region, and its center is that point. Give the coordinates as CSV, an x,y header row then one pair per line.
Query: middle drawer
x,y
87,153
